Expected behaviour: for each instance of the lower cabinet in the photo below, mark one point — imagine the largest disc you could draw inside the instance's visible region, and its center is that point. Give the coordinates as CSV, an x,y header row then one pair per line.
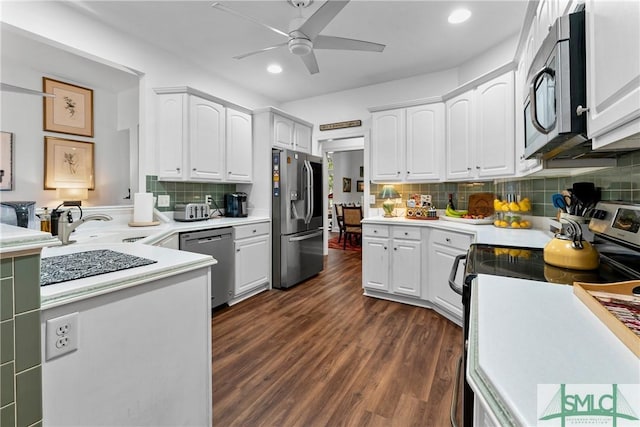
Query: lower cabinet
x,y
392,259
252,262
400,261
444,246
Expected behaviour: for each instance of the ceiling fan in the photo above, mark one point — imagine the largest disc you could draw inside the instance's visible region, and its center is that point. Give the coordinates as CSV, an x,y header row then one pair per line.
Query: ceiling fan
x,y
304,36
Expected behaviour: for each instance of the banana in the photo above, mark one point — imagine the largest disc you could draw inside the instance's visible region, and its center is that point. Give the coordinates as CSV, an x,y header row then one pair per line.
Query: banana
x,y
454,213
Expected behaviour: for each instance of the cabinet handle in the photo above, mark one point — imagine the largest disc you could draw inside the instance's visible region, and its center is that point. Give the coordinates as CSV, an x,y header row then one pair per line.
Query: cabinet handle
x,y
406,234
385,248
255,231
238,250
408,172
580,109
395,249
178,169
194,169
448,240
477,167
375,231
468,169
398,173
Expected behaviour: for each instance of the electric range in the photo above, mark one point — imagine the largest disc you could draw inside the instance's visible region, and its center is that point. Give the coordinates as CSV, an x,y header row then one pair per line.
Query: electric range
x,y
616,228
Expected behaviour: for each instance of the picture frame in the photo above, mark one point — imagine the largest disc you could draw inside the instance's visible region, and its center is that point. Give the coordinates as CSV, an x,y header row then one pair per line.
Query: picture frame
x,y
6,161
68,164
360,186
346,185
71,111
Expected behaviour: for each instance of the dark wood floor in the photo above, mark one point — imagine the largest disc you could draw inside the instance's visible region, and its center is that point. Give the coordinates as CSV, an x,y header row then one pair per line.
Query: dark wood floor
x,y
322,354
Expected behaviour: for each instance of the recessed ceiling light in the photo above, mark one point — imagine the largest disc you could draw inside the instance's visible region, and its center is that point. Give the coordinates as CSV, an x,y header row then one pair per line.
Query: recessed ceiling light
x,y
274,69
459,15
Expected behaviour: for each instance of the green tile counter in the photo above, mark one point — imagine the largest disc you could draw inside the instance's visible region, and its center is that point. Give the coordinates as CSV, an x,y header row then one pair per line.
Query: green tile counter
x,y
20,354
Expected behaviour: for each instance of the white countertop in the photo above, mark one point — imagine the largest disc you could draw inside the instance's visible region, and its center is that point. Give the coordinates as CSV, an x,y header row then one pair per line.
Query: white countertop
x,y
524,333
14,239
169,262
485,233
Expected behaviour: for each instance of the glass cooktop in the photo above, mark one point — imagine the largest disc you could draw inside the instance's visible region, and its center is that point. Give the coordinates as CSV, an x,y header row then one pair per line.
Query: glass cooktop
x,y
528,263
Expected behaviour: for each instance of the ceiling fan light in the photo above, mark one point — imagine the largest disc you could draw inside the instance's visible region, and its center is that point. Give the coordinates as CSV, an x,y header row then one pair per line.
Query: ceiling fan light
x,y
459,15
274,69
300,47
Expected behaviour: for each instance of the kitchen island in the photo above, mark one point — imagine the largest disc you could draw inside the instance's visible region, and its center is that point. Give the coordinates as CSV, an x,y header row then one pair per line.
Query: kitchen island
x,y
143,341
527,338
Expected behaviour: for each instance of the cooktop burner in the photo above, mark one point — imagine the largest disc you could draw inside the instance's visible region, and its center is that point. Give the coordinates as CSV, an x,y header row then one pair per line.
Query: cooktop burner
x,y
528,263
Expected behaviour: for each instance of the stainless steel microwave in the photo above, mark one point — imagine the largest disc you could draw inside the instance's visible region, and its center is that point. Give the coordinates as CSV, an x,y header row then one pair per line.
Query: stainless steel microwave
x,y
555,105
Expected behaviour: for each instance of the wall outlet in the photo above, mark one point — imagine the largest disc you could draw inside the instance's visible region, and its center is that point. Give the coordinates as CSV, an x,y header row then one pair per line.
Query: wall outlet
x,y
372,199
208,199
164,201
61,335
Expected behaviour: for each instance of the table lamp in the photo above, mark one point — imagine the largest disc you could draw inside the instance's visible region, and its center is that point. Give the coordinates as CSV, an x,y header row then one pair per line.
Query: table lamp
x,y
388,192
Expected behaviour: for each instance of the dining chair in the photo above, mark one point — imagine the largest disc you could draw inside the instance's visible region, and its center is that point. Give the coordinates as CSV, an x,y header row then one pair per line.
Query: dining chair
x,y
339,220
352,217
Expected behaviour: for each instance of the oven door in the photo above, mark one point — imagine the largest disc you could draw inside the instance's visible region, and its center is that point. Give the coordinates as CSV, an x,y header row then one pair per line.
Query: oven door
x,y
464,290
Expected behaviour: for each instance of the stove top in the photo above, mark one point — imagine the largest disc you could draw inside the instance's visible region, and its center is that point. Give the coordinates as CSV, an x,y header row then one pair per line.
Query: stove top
x,y
528,263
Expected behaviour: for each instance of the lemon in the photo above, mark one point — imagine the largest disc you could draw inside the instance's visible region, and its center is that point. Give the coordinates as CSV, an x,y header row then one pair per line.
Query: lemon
x,y
496,223
514,252
515,224
504,224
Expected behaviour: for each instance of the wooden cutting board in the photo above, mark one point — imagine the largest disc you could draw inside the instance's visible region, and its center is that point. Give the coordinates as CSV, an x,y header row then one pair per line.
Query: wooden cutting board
x,y
481,204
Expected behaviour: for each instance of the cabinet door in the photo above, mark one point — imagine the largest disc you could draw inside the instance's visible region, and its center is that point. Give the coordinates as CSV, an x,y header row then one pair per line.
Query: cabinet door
x,y
425,142
252,263
375,263
302,137
460,133
613,69
441,260
239,147
387,145
495,127
206,139
406,269
282,132
171,135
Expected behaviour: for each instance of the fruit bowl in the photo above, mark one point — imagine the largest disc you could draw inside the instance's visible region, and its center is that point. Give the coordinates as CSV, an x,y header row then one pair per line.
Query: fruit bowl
x,y
511,220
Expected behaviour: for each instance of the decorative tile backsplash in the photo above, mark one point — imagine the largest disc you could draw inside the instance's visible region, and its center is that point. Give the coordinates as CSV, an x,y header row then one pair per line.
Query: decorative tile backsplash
x,y
619,183
180,192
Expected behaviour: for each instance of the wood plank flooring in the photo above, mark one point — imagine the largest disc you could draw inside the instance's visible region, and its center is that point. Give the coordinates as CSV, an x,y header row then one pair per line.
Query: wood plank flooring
x,y
322,354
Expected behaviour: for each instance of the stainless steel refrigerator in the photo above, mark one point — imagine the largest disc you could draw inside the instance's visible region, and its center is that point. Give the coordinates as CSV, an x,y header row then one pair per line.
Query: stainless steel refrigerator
x,y
297,217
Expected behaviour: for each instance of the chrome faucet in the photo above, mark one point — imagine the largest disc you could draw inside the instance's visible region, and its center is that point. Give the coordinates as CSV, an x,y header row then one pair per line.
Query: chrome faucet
x,y
65,227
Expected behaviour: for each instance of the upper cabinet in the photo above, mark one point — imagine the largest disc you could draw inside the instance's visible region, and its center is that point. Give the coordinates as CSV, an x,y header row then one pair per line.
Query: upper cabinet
x,y
480,131
613,72
202,140
291,134
407,143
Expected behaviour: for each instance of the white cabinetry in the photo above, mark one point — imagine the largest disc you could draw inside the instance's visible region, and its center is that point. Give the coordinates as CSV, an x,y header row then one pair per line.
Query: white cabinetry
x,y
407,143
444,246
291,134
613,72
200,139
239,147
252,260
392,259
480,131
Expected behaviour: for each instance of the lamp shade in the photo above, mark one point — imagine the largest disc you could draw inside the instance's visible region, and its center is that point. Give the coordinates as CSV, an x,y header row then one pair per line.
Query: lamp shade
x,y
388,192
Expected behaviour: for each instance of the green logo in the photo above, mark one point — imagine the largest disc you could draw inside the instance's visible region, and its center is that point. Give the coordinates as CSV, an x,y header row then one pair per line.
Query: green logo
x,y
589,404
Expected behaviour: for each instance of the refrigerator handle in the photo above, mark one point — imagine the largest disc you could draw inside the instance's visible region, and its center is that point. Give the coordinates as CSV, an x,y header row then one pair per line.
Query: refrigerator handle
x,y
311,190
308,189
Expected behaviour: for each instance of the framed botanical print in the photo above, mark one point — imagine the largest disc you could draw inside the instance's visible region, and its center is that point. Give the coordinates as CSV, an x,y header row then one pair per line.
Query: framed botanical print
x,y
6,161
71,111
346,185
68,164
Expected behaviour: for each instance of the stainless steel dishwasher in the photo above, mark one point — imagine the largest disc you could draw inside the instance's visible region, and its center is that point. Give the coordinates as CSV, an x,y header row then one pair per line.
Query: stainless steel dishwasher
x,y
218,243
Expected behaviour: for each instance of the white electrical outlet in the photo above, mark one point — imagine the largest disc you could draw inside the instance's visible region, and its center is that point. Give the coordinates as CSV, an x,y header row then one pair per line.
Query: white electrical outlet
x,y
208,199
62,335
372,199
164,200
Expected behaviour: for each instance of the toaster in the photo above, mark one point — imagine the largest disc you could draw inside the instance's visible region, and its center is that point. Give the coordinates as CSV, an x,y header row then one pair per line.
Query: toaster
x,y
191,212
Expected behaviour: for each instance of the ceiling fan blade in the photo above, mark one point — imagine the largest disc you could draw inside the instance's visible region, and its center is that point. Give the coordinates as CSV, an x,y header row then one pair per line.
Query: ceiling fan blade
x,y
330,42
266,49
310,62
321,18
217,5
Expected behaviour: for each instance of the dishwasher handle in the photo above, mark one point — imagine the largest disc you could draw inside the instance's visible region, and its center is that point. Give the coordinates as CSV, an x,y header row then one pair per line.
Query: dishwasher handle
x,y
452,275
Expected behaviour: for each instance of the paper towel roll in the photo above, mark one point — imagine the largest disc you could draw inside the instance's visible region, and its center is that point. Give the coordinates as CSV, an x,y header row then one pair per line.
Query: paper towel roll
x,y
142,207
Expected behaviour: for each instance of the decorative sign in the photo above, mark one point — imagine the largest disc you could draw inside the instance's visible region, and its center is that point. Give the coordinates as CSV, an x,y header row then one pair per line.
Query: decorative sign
x,y
341,125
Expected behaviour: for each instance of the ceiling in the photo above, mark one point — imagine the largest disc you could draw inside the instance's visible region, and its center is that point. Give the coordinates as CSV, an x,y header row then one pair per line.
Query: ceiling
x,y
416,33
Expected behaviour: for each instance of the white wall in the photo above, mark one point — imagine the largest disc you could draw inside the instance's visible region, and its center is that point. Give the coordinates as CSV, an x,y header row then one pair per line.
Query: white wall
x,y
22,115
491,59
63,24
346,164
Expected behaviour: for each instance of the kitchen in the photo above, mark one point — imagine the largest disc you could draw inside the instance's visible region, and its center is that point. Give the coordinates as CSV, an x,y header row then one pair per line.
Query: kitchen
x,y
158,70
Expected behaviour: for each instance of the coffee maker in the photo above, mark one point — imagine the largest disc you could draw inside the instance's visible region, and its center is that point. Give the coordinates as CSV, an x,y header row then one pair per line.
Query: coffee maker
x,y
235,204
